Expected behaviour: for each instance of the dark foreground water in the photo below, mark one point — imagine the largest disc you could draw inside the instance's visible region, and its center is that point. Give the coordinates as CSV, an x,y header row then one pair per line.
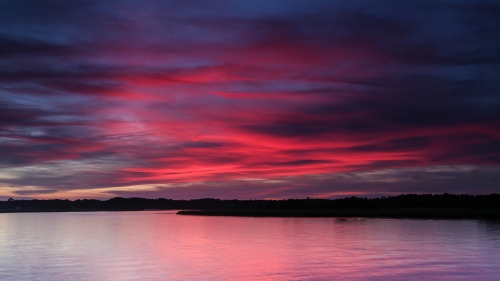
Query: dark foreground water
x,y
159,245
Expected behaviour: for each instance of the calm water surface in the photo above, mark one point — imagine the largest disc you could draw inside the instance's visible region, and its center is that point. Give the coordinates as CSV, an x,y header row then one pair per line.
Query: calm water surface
x,y
159,245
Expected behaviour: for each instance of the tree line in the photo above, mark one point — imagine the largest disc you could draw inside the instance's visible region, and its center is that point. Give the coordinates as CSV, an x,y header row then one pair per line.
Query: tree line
x,y
406,201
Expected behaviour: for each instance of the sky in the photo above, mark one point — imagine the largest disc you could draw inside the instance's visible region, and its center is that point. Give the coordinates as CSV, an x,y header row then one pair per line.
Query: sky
x,y
248,99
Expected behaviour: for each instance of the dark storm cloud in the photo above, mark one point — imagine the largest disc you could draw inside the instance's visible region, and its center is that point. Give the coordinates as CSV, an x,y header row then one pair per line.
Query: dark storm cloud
x,y
30,47
399,144
16,113
414,102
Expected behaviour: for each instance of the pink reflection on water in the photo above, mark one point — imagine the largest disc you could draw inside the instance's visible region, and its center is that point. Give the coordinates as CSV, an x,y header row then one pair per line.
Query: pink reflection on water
x,y
330,249
164,246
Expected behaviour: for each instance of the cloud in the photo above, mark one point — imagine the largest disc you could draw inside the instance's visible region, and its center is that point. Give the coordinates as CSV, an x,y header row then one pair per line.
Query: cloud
x,y
203,97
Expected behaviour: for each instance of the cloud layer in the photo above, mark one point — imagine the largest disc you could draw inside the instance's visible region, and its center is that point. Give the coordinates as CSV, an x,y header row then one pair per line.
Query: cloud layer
x,y
248,99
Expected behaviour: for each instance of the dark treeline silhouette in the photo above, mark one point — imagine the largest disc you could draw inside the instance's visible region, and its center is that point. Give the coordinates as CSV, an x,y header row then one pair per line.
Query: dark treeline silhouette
x,y
409,205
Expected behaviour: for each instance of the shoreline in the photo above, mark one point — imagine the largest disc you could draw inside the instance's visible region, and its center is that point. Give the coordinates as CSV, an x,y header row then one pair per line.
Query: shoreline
x,y
403,213
445,213
401,206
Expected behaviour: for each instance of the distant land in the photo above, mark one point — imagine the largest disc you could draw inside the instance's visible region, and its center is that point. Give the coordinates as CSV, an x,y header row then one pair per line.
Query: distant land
x,y
402,206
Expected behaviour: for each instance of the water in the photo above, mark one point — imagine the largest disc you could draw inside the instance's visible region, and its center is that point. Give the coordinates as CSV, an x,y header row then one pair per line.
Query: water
x,y
159,245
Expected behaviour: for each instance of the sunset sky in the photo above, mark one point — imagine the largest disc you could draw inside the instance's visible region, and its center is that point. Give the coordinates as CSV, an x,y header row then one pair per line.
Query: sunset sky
x,y
248,99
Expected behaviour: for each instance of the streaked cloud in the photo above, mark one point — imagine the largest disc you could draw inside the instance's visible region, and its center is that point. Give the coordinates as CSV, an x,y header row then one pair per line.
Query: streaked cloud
x,y
248,99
